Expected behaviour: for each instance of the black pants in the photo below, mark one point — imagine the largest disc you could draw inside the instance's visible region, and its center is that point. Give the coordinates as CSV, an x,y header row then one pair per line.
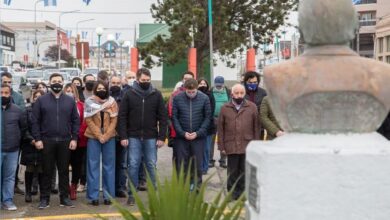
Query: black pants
x,y
236,173
78,159
190,150
55,152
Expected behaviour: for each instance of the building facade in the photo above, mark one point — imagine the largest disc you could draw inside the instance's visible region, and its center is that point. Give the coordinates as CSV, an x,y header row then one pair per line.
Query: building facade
x,y
7,45
382,50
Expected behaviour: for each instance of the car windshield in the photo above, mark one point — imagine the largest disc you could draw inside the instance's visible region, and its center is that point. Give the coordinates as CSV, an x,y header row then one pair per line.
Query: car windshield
x,y
71,72
91,71
48,74
34,74
3,69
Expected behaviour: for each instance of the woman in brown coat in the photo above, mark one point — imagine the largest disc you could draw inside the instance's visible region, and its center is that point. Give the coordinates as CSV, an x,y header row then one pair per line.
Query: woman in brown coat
x,y
237,126
100,113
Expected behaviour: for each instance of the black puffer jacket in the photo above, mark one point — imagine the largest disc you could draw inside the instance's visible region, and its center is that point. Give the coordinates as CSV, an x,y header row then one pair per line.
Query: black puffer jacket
x,y
13,128
385,127
140,113
30,155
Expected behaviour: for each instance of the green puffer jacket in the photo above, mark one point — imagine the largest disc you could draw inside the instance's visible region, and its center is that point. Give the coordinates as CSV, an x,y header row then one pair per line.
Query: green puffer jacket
x,y
268,119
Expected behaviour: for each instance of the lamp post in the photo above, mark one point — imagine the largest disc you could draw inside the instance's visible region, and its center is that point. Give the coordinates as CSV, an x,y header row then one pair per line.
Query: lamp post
x,y
79,22
127,44
121,42
210,15
35,32
77,40
59,35
110,38
99,31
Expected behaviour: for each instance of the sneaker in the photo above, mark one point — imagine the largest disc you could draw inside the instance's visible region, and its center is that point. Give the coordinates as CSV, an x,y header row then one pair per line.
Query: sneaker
x,y
81,188
72,191
43,204
18,190
107,202
131,201
120,194
222,164
66,202
9,206
211,163
142,186
95,202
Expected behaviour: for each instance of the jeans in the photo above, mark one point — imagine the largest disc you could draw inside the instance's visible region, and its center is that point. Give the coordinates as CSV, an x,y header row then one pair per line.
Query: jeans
x,y
206,154
120,167
9,162
107,151
55,152
190,150
136,149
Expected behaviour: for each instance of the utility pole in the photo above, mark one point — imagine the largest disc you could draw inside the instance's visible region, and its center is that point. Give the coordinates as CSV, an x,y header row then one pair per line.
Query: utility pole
x,y
210,12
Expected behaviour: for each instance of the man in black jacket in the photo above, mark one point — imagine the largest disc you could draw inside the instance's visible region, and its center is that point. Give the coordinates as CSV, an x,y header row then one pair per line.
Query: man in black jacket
x,y
142,126
55,129
13,130
384,129
191,118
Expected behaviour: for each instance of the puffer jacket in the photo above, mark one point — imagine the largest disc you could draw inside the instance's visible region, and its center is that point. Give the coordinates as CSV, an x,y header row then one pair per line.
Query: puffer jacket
x,y
191,115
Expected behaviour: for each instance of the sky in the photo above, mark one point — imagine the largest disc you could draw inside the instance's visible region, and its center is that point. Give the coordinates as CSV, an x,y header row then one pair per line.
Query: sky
x,y
113,23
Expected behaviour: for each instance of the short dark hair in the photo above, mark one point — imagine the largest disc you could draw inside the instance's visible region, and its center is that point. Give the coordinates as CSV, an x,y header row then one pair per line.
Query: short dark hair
x,y
36,92
40,83
101,82
250,75
85,77
102,75
78,79
6,74
56,75
3,85
143,71
207,83
191,84
188,73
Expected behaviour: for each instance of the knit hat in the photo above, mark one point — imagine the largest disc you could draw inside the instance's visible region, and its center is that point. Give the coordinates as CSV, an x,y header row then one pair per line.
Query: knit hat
x,y
219,81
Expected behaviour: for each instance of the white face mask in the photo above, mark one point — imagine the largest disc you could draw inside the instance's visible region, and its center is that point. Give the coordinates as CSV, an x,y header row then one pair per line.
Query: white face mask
x,y
70,94
130,82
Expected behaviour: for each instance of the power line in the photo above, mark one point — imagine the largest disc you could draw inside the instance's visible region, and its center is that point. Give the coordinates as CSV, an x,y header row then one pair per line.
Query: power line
x,y
93,28
79,12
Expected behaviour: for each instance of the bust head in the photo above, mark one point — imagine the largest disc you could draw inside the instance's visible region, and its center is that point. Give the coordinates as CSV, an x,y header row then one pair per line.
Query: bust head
x,y
327,22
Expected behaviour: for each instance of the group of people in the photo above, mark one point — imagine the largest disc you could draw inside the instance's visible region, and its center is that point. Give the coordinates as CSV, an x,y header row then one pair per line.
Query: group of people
x,y
124,121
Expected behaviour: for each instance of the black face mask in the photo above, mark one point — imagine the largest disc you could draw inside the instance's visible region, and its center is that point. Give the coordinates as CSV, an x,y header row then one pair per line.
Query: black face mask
x,y
79,88
115,89
101,94
144,85
5,100
56,87
89,85
238,101
203,89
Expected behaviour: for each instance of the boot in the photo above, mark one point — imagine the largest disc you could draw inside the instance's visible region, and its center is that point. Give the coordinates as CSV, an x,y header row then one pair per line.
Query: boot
x,y
28,179
34,190
73,191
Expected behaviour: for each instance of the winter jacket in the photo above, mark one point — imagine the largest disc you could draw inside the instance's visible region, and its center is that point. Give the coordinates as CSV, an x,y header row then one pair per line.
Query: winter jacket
x,y
82,141
191,115
221,97
18,100
142,114
268,120
385,127
211,130
30,155
172,132
237,128
256,96
94,124
55,119
13,128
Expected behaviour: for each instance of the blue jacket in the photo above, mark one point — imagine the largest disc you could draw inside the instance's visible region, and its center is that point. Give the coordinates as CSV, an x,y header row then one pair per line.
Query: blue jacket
x,y
191,115
55,119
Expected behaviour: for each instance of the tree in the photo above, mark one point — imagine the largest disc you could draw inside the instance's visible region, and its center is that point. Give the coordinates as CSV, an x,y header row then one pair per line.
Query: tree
x,y
52,52
231,25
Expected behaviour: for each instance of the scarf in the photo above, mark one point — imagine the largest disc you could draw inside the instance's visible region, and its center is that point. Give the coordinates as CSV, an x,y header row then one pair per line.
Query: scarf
x,y
94,105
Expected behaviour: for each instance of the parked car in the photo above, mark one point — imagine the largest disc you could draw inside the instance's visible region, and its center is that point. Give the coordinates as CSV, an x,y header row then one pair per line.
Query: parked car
x,y
47,74
34,77
92,70
73,72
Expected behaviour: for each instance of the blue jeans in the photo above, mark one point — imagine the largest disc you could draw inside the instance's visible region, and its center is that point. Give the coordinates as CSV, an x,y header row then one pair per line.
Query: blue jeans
x,y
94,150
9,162
206,154
136,149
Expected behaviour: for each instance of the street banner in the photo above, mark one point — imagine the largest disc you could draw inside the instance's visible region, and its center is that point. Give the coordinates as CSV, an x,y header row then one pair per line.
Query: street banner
x,y
117,36
84,34
82,50
134,59
7,2
192,61
87,1
50,3
251,60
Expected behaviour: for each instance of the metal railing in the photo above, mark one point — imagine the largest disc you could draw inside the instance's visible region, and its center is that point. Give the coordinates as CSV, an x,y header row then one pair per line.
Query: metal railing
x,y
371,22
361,2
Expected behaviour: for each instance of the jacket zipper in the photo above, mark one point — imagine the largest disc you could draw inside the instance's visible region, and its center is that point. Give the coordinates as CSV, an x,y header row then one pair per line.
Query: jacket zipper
x,y
143,109
58,127
191,115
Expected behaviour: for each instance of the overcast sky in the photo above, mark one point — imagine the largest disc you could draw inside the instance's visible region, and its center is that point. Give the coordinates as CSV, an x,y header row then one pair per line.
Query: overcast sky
x,y
114,23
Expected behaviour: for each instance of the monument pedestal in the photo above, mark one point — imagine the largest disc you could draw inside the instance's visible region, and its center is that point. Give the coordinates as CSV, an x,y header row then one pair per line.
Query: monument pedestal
x,y
315,177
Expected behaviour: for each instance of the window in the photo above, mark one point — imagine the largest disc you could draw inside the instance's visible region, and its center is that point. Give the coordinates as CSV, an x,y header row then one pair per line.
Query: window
x,y
12,42
360,2
4,40
387,59
367,18
380,45
380,58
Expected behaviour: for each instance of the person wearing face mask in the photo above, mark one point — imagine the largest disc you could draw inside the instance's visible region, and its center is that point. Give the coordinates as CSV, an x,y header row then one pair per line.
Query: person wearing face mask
x,y
30,156
237,126
101,115
191,118
79,85
78,156
89,82
55,128
142,127
221,95
14,129
205,88
41,86
128,80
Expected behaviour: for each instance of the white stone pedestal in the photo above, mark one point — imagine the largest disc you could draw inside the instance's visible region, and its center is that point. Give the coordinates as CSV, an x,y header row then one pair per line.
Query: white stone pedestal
x,y
315,177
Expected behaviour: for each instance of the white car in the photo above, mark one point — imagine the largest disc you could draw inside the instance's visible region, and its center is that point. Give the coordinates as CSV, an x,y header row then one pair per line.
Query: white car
x,y
73,72
34,77
47,74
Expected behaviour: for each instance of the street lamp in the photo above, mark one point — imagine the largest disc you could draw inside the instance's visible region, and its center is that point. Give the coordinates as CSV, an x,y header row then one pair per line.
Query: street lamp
x,y
79,22
99,31
35,31
121,42
59,34
127,44
110,38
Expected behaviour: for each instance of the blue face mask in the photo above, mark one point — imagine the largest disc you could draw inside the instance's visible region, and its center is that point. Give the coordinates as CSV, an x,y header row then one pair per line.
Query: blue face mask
x,y
252,86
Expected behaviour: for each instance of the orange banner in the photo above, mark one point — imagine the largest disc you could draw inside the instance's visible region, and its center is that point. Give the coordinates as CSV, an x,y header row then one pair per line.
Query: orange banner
x,y
134,59
251,60
192,61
